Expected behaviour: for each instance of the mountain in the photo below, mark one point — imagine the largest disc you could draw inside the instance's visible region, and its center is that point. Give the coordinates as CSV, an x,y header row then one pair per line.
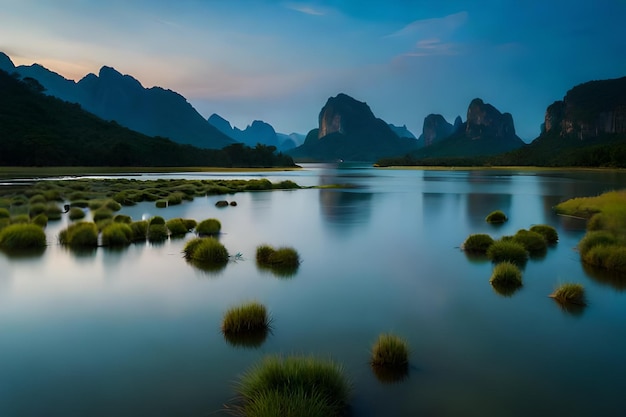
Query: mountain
x,y
485,132
402,131
586,128
349,131
258,132
41,130
112,96
435,129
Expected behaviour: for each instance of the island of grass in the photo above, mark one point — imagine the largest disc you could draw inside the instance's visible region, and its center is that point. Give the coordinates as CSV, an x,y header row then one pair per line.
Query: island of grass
x,y
477,243
604,244
206,252
496,217
246,325
283,261
570,293
389,358
21,236
293,386
507,250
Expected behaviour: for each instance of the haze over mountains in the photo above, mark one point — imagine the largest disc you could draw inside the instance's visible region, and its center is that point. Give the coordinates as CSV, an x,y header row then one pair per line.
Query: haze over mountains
x,y
347,128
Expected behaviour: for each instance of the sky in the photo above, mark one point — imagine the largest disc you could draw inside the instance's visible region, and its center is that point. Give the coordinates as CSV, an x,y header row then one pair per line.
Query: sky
x,y
279,61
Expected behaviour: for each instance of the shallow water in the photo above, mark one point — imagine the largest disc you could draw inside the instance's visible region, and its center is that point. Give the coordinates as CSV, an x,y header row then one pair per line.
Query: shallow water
x,y
136,332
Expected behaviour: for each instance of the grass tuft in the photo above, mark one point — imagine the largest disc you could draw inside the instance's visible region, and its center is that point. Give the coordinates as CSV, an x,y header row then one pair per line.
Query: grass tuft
x,y
209,227
390,351
570,293
533,242
477,243
507,250
80,235
247,318
293,386
496,217
506,274
117,234
549,233
206,252
22,236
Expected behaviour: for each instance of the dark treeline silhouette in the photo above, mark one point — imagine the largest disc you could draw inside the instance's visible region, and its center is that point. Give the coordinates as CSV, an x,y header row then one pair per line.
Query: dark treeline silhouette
x,y
40,130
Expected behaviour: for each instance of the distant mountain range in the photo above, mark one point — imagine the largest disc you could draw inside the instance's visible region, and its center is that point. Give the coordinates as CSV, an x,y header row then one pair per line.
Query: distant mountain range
x,y
587,127
112,96
257,132
41,130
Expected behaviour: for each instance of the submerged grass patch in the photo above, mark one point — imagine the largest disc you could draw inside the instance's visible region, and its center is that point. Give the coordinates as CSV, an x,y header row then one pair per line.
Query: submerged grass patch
x,y
496,217
390,351
250,317
22,236
80,235
209,227
477,243
507,250
293,386
570,293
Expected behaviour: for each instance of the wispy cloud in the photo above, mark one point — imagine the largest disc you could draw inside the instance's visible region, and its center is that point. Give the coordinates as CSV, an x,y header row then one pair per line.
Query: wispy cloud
x,y
440,26
306,9
431,47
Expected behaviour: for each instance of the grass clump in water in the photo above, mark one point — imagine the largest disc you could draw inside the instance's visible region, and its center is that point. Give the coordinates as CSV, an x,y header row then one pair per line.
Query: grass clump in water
x,y
122,218
246,325
293,386
177,227
139,230
570,293
22,236
549,233
80,235
506,274
4,213
596,238
117,234
76,213
102,214
206,252
209,227
496,217
477,243
157,232
533,242
53,211
507,250
282,262
390,351
40,220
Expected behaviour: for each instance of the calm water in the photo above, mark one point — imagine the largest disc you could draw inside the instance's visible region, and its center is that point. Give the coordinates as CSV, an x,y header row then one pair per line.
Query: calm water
x,y
136,332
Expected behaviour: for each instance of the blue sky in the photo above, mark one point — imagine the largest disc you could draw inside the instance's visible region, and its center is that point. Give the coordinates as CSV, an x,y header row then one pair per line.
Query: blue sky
x,y
279,61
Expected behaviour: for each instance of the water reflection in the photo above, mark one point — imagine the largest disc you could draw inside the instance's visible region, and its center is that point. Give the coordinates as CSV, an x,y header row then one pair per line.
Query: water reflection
x,y
251,339
345,209
575,310
614,279
479,205
29,253
391,375
505,290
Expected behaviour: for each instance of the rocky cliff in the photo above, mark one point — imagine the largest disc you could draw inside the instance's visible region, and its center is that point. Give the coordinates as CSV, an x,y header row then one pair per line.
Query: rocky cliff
x,y
589,110
435,129
484,120
348,130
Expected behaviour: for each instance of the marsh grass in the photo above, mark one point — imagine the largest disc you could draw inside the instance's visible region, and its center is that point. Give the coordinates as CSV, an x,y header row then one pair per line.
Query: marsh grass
x,y
293,386
40,220
206,252
157,232
157,220
139,230
496,217
477,243
549,233
390,351
20,219
251,317
79,203
209,227
76,213
507,250
533,242
570,293
161,203
117,234
80,235
122,218
17,237
53,211
36,209
506,274
102,214
282,262
596,238
177,227
5,213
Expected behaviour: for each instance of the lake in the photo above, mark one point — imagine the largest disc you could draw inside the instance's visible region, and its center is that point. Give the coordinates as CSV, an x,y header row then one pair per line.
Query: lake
x,y
136,332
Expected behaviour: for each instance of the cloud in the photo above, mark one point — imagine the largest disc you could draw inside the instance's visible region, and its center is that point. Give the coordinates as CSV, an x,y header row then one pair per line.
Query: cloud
x,y
441,26
306,9
430,47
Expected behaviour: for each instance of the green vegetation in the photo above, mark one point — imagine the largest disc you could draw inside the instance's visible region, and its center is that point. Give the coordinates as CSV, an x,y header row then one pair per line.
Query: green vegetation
x,y
293,387
533,242
53,211
117,234
209,227
496,217
122,218
281,262
604,244
40,220
506,274
22,236
570,293
36,209
157,232
80,235
76,213
477,243
549,233
250,317
390,351
507,250
139,230
4,213
178,226
40,130
206,252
